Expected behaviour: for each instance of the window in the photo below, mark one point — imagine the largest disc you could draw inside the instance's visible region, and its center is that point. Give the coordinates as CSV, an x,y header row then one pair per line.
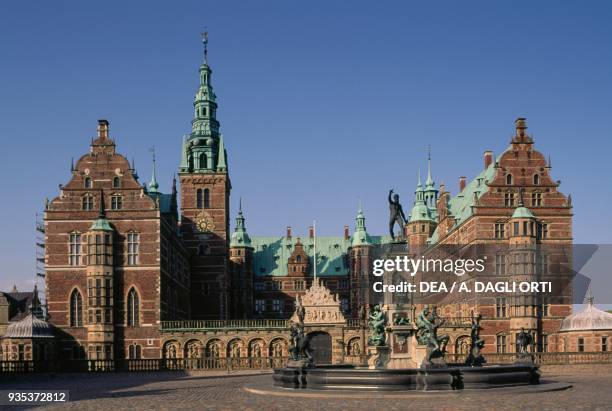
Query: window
x,y
536,199
88,183
500,230
116,202
276,305
509,199
536,179
133,308
76,309
604,344
277,285
544,343
199,198
88,202
116,182
580,344
500,264
500,343
75,249
134,352
516,228
542,230
543,263
260,305
501,307
259,286
509,179
298,285
132,250
206,198
344,304
203,161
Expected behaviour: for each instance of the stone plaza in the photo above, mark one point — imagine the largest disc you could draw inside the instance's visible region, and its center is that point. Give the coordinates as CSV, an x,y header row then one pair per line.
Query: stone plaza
x,y
248,390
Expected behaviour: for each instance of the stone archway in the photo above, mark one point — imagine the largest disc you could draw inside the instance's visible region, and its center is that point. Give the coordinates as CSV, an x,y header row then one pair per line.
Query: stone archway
x,y
321,345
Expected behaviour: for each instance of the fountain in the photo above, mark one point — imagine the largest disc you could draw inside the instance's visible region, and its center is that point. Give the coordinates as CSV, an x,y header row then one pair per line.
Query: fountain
x,y
433,374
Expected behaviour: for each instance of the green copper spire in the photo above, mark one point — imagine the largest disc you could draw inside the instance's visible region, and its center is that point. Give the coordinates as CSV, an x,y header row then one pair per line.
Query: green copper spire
x,y
360,236
430,195
221,164
429,182
101,223
153,184
420,211
202,151
240,237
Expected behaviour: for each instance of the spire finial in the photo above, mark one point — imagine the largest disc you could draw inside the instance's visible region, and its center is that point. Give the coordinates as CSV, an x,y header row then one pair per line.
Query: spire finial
x,y
153,184
590,299
521,202
360,206
205,43
102,211
240,205
71,163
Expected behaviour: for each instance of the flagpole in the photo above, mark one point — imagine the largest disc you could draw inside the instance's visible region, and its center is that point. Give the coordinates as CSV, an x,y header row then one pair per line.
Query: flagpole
x,y
314,240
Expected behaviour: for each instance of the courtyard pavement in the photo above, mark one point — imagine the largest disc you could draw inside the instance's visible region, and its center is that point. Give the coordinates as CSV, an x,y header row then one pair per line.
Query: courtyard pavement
x,y
592,389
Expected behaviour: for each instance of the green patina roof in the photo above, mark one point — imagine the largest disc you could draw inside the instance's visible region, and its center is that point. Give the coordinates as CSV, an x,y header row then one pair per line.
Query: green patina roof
x,y
522,212
101,224
270,254
460,206
240,237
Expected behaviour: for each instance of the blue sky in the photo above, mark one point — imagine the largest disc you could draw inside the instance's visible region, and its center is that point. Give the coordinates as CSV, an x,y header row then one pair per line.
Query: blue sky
x,y
321,102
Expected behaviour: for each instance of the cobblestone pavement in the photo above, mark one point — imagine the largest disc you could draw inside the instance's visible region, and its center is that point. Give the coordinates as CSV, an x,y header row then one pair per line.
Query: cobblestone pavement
x,y
592,389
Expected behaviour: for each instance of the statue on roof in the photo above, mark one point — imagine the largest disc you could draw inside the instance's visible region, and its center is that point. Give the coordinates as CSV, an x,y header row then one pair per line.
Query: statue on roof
x,y
396,215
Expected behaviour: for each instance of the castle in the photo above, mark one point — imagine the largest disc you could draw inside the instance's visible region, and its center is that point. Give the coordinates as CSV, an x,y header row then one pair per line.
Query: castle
x,y
130,274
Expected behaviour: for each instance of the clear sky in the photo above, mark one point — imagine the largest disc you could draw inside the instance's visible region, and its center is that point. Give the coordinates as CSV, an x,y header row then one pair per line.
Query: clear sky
x,y
321,103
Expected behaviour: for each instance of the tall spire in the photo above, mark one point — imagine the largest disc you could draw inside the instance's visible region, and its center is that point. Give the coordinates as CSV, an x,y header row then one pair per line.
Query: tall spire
x,y
360,236
429,182
153,184
240,237
202,152
221,161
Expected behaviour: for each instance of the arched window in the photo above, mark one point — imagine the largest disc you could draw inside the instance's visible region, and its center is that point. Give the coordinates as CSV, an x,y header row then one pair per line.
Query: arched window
x,y
134,352
88,202
536,179
88,183
203,161
76,309
509,179
199,198
133,308
206,198
116,182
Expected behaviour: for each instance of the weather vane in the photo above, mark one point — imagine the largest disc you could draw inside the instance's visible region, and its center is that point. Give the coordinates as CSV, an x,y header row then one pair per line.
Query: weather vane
x,y
205,42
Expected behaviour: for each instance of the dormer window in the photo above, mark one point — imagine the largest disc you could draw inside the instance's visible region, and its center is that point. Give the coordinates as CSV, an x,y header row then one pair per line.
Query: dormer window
x,y
116,182
536,180
116,202
88,183
87,202
509,179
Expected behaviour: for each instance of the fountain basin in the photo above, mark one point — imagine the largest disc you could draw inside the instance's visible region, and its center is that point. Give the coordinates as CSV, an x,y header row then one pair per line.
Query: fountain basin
x,y
349,377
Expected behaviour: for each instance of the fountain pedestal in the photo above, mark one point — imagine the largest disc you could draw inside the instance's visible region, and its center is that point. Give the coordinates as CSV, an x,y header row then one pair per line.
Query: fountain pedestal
x,y
378,357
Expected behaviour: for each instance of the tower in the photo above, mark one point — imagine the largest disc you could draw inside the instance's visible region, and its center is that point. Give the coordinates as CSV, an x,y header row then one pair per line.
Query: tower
x,y
100,324
421,224
241,260
205,190
360,262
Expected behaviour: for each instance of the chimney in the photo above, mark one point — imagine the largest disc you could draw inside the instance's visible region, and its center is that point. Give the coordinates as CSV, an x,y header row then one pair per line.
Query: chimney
x,y
311,232
346,232
521,126
102,128
462,182
289,232
488,158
